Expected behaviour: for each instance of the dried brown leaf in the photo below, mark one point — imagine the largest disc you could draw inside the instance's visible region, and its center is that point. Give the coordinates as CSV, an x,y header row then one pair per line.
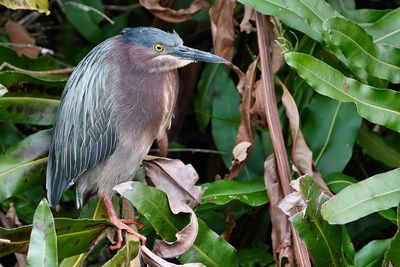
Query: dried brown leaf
x,y
301,154
177,180
154,261
222,27
171,15
244,138
281,233
19,35
245,24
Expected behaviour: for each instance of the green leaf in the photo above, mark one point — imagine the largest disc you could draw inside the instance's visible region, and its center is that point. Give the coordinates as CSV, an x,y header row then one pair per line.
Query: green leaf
x,y
75,234
210,249
28,110
9,135
256,256
380,106
205,94
361,52
392,254
330,129
43,241
377,148
365,17
322,239
252,193
153,204
386,30
12,78
83,21
372,253
338,181
342,5
286,14
124,256
379,192
21,166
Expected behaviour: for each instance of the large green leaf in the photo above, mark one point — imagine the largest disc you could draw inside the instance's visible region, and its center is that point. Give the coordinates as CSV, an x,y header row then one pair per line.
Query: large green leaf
x,y
153,204
365,17
342,5
338,181
285,13
380,106
252,193
11,78
379,192
386,30
361,52
22,167
9,135
322,239
39,5
28,110
377,148
372,253
210,249
330,129
75,234
43,242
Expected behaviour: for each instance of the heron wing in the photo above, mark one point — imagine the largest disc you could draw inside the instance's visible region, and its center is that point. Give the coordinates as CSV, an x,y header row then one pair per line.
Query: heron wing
x,y
84,133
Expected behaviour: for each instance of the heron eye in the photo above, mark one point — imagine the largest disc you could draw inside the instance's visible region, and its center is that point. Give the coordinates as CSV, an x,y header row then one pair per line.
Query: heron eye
x,y
158,47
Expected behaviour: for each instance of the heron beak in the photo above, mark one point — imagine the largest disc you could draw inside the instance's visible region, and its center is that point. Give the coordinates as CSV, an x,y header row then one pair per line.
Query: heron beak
x,y
187,53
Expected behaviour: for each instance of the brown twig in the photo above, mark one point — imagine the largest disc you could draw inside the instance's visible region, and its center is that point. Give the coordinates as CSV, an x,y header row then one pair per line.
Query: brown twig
x,y
270,111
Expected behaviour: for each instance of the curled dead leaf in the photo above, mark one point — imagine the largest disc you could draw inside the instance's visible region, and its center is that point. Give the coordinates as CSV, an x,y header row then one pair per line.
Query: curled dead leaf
x,y
222,27
19,35
240,151
171,15
245,24
177,180
291,201
39,5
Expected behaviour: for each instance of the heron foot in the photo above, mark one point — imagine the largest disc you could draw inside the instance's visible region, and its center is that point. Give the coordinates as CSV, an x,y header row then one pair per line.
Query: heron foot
x,y
121,224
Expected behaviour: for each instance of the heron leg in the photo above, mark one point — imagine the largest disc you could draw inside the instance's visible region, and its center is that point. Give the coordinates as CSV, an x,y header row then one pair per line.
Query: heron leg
x,y
121,224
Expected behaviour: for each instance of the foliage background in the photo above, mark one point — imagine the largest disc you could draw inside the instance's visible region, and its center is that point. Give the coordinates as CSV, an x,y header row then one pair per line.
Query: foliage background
x,y
341,65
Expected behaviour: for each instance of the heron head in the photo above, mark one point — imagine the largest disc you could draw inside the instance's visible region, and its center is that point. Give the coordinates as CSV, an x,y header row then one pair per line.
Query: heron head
x,y
156,50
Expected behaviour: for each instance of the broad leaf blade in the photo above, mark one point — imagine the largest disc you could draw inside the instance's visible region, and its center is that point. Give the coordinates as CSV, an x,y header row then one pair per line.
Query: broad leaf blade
x,y
28,110
372,253
361,52
392,254
379,192
124,256
21,167
386,29
330,128
221,192
377,105
210,249
43,241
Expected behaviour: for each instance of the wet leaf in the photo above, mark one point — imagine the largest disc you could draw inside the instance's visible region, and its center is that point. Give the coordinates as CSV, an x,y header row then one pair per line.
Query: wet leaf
x,y
373,194
221,192
204,249
43,241
39,5
21,166
12,78
29,110
222,27
171,15
19,35
375,104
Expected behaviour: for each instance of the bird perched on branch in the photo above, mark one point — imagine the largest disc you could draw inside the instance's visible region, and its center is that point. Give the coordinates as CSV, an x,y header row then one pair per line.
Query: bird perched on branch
x,y
118,100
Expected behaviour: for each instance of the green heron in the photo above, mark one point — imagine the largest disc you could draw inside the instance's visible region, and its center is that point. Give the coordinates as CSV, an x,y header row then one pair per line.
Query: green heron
x,y
119,99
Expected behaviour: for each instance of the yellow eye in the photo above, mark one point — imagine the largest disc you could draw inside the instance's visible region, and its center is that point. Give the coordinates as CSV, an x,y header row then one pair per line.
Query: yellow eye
x,y
158,47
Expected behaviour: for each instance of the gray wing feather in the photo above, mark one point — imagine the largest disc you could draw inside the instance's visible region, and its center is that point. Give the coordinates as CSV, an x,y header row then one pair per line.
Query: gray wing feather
x,y
84,133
